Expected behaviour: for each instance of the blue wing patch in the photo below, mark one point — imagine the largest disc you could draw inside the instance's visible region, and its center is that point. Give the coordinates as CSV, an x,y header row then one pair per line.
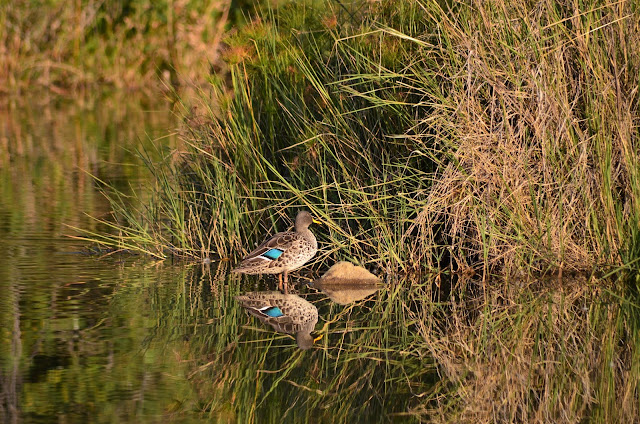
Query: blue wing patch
x,y
272,311
273,254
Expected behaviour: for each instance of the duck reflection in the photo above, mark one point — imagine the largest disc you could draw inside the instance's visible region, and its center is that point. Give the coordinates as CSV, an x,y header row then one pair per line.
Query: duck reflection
x,y
346,283
286,313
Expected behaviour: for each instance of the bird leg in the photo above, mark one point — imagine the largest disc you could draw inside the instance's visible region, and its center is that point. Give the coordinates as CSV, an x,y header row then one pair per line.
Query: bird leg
x,y
286,285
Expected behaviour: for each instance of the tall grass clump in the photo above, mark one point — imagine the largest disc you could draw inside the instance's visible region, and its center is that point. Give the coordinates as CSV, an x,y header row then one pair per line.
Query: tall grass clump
x,y
541,112
293,132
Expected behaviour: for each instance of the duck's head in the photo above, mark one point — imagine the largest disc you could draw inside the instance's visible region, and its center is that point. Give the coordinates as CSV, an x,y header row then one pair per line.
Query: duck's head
x,y
306,340
304,219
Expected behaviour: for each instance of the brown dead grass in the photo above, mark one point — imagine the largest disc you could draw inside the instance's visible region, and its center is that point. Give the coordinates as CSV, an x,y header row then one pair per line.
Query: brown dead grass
x,y
67,47
545,120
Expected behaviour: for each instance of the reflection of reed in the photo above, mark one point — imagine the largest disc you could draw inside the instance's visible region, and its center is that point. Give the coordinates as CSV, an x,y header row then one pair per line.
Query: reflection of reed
x,y
10,377
240,376
345,294
48,154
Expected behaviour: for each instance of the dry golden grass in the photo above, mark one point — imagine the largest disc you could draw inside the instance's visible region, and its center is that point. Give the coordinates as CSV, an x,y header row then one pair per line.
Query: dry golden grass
x,y
541,124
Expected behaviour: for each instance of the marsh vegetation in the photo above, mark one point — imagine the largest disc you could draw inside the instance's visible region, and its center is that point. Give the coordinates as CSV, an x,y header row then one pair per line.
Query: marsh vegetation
x,y
481,157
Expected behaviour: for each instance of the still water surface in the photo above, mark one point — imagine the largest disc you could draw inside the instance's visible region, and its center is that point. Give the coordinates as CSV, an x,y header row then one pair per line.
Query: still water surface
x,y
120,338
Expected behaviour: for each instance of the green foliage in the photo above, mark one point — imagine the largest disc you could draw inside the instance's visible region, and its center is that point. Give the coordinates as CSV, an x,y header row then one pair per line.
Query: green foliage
x,y
297,131
65,46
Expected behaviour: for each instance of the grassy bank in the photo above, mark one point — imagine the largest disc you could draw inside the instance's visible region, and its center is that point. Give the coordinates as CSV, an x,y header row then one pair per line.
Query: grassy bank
x,y
67,47
493,139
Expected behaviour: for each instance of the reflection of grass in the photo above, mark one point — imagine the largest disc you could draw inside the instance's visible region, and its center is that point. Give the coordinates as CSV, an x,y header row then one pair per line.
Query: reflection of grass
x,y
49,154
256,375
91,351
498,139
539,354
172,342
535,352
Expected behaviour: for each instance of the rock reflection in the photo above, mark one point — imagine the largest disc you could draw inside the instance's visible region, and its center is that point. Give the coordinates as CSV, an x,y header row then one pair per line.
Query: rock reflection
x,y
286,313
346,283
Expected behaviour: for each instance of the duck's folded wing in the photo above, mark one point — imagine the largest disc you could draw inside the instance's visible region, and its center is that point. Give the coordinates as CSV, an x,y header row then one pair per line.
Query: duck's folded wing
x,y
272,248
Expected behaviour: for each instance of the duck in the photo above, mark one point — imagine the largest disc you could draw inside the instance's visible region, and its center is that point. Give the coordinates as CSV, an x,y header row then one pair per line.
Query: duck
x,y
286,313
283,252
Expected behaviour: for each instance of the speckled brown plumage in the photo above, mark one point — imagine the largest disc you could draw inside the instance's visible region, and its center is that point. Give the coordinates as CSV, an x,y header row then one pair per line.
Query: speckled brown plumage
x,y
294,249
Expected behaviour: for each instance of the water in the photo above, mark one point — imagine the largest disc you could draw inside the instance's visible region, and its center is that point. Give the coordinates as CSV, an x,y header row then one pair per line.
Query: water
x,y
60,331
122,338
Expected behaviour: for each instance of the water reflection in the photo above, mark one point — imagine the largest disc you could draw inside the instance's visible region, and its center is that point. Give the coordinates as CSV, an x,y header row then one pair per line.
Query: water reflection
x,y
69,336
49,154
122,339
348,292
344,283
286,313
